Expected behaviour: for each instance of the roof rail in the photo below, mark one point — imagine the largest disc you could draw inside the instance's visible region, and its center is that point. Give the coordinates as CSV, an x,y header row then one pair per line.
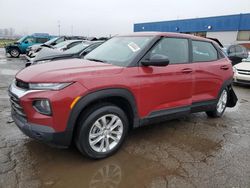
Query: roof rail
x,y
40,34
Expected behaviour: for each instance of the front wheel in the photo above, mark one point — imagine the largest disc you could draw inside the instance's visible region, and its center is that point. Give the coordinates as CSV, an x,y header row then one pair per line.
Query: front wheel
x,y
14,52
101,131
221,105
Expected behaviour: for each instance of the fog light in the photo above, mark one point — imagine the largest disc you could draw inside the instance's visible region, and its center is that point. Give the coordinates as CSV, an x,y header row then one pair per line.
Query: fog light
x,y
42,106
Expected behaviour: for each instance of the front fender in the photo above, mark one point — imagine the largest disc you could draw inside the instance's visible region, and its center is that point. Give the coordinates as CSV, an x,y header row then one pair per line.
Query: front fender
x,y
100,95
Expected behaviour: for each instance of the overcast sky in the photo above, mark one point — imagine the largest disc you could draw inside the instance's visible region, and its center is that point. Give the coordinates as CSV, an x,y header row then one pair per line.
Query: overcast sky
x,y
104,17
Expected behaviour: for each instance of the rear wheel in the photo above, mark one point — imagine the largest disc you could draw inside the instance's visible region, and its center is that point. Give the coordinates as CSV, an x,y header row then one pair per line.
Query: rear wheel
x,y
14,52
221,105
101,131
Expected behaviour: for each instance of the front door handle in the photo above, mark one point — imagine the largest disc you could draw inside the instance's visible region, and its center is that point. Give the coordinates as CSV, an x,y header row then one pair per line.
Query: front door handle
x,y
224,67
187,70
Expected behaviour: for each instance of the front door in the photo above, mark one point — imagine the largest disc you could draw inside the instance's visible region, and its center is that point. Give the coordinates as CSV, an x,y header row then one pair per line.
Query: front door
x,y
170,87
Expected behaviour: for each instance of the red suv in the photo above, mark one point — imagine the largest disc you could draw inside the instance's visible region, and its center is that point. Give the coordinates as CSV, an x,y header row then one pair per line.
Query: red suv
x,y
127,82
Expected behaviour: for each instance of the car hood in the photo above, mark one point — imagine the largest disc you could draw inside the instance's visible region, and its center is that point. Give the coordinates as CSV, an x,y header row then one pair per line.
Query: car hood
x,y
66,71
243,66
46,53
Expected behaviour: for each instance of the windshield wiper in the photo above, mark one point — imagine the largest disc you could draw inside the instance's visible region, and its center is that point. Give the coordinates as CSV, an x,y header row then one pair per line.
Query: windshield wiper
x,y
96,60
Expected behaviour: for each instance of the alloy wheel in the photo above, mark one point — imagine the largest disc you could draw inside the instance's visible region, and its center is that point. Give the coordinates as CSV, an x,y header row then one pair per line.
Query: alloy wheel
x,y
105,133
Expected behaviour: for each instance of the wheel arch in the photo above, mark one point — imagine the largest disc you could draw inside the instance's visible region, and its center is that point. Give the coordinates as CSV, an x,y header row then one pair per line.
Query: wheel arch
x,y
14,47
121,97
232,98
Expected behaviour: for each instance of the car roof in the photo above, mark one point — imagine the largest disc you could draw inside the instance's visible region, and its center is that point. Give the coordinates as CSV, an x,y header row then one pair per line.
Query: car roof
x,y
168,34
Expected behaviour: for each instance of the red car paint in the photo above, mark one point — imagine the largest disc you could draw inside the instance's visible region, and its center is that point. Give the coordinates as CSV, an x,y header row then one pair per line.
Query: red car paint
x,y
154,88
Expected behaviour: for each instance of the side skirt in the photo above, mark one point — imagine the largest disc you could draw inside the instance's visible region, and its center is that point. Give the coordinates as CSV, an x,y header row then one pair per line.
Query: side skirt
x,y
168,114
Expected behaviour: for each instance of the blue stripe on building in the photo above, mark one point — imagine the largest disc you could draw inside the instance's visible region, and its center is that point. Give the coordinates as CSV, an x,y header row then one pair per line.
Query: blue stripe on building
x,y
239,22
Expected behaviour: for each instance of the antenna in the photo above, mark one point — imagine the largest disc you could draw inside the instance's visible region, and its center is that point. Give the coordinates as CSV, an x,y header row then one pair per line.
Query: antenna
x,y
59,27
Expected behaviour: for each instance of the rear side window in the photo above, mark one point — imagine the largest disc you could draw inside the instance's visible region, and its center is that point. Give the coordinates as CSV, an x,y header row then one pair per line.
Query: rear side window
x,y
176,49
41,40
204,51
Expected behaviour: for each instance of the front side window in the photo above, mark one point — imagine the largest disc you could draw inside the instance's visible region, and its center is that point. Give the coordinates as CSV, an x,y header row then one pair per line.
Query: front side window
x,y
61,44
204,51
41,40
77,48
119,51
73,44
29,40
175,49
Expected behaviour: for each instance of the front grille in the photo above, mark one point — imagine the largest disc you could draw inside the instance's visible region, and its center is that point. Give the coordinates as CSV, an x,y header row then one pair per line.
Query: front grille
x,y
245,72
243,81
22,85
15,105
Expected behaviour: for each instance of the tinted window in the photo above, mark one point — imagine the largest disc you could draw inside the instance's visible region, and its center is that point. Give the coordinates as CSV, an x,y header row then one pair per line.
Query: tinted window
x,y
41,40
175,49
204,51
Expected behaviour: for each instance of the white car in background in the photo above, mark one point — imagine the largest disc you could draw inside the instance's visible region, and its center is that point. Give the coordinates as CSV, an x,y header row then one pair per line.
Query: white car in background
x,y
242,72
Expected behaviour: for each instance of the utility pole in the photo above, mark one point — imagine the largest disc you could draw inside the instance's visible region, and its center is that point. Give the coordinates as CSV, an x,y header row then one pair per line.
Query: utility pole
x,y
59,27
71,30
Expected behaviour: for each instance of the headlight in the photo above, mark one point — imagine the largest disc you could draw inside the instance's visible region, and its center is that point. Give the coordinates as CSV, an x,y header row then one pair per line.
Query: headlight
x,y
42,106
48,86
44,61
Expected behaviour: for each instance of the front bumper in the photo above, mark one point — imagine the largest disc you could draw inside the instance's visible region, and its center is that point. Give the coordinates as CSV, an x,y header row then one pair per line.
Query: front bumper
x,y
7,49
241,79
42,133
49,129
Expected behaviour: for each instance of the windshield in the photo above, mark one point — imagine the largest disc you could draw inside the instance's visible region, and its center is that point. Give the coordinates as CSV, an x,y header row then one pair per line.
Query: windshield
x,y
51,41
77,48
247,60
61,44
21,39
119,51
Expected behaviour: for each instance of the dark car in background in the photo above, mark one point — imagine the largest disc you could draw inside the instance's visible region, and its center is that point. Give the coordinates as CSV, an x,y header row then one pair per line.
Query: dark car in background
x,y
30,51
20,46
78,51
236,53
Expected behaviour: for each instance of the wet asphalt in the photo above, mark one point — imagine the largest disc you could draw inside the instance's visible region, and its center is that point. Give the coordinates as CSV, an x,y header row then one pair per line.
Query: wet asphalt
x,y
193,151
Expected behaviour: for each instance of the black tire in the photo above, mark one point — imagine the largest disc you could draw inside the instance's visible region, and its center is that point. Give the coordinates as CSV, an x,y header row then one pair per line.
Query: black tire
x,y
86,124
218,112
14,52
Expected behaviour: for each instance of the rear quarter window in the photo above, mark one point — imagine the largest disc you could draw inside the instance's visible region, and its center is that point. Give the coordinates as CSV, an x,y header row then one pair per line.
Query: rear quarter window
x,y
204,51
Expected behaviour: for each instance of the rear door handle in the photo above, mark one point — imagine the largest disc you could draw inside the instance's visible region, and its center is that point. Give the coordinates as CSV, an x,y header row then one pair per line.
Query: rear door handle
x,y
224,67
186,70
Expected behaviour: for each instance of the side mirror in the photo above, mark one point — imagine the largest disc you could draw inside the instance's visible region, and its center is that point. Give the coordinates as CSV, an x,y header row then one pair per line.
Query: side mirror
x,y
156,60
26,42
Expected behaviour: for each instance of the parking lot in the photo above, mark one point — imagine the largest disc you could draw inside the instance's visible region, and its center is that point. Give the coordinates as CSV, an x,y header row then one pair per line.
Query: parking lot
x,y
194,151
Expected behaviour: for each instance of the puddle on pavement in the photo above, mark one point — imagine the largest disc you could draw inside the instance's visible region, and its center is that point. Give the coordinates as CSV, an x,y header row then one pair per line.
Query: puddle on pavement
x,y
127,168
67,168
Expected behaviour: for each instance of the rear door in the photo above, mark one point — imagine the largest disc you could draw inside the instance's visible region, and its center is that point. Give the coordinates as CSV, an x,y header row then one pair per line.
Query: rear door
x,y
211,69
169,87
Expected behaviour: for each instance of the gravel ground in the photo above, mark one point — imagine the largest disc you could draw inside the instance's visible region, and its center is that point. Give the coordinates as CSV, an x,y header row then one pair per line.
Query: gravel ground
x,y
195,151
